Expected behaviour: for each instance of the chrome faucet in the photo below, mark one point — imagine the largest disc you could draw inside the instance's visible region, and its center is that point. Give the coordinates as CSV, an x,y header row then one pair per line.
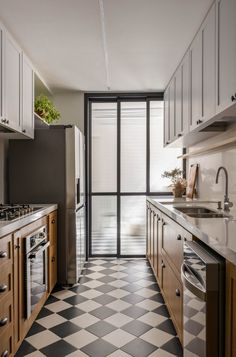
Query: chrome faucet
x,y
227,203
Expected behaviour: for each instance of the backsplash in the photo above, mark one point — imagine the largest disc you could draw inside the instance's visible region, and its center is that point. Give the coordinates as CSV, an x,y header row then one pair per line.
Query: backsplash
x,y
208,165
3,170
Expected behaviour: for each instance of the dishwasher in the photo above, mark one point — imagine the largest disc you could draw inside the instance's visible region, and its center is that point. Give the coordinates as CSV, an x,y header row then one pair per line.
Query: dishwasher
x,y
203,276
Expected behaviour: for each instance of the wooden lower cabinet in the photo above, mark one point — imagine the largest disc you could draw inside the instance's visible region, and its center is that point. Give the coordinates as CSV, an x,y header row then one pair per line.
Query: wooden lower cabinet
x,y
6,296
230,310
52,257
173,294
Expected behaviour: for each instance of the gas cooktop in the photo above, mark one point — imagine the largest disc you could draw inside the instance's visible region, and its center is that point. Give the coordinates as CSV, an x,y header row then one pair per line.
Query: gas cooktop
x,y
9,212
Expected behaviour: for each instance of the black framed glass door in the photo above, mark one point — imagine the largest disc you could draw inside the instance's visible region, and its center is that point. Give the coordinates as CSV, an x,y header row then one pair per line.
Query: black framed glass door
x,y
121,170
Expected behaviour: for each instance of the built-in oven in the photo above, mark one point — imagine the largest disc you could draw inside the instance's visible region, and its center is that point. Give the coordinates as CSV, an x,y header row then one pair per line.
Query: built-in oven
x,y
36,268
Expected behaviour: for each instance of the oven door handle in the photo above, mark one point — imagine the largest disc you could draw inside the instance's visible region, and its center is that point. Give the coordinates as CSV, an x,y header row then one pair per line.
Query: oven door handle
x,y
38,250
189,283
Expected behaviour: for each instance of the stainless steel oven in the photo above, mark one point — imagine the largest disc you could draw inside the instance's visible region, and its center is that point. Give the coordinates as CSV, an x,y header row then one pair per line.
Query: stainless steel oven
x,y
36,268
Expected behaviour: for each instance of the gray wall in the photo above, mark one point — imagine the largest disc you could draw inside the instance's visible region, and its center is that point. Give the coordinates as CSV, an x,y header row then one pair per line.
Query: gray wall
x,y
71,106
3,171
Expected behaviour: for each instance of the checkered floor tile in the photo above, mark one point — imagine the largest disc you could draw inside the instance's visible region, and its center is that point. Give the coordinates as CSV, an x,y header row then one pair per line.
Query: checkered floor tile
x,y
116,310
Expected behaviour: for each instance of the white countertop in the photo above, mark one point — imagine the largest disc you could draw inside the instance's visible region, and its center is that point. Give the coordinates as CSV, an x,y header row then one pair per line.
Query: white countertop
x,y
7,227
218,233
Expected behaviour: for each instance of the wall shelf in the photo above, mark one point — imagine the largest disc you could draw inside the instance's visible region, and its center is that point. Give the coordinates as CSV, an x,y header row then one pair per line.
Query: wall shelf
x,y
210,148
39,122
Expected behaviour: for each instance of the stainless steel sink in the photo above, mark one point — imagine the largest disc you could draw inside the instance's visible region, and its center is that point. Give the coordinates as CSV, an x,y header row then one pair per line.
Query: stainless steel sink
x,y
200,212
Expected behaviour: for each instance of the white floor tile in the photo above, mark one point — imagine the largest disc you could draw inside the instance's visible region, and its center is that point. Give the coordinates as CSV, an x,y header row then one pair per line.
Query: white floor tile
x,y
119,338
156,337
51,321
152,319
42,339
84,320
58,306
80,339
118,320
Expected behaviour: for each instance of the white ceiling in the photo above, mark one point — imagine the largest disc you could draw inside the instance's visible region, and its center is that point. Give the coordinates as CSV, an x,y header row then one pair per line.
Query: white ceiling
x,y
91,45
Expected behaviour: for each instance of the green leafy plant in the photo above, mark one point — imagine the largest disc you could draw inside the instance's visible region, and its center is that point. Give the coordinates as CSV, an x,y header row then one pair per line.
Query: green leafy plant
x,y
45,108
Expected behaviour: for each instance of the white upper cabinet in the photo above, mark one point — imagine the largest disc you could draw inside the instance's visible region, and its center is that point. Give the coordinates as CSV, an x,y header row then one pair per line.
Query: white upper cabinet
x,y
226,54
196,81
166,117
208,31
27,97
12,84
172,127
179,102
185,93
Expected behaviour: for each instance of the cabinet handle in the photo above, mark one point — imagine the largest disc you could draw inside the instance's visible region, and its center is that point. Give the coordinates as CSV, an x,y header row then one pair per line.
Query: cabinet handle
x,y
23,130
5,354
199,122
179,135
3,321
167,143
53,259
7,121
163,265
163,223
17,246
233,98
3,254
3,287
3,120
53,221
177,292
179,237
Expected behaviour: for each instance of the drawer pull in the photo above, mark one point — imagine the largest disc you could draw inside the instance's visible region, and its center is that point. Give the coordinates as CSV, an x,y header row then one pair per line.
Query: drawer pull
x,y
179,237
5,354
177,292
53,221
3,254
163,265
53,259
3,288
3,321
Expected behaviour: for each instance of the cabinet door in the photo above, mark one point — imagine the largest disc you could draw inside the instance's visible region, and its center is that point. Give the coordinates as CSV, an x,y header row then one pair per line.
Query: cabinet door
x,y
12,84
186,93
148,232
52,263
1,76
167,117
230,310
196,81
172,111
209,64
179,102
226,51
27,98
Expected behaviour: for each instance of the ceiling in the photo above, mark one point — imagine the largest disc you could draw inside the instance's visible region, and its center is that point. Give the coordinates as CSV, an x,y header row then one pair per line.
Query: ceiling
x,y
99,45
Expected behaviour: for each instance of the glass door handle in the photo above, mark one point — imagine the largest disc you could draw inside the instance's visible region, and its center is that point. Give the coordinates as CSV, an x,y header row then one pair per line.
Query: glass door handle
x,y
198,291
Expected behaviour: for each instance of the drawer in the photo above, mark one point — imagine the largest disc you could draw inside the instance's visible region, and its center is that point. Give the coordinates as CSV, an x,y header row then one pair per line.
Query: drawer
x,y
6,313
6,345
173,293
6,280
52,227
5,250
172,241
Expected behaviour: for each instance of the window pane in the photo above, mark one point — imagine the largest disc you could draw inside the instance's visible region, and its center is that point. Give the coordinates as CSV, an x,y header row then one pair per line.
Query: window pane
x,y
104,225
133,147
104,147
133,225
161,159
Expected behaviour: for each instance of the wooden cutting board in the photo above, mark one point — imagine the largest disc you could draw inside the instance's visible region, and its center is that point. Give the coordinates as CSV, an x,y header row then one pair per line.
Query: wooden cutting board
x,y
192,178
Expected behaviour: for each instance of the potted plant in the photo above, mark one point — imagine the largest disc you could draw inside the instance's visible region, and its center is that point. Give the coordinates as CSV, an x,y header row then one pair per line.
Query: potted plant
x,y
178,184
45,108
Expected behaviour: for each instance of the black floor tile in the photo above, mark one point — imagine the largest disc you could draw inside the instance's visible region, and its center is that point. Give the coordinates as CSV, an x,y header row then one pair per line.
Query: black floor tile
x,y
136,328
134,311
139,348
65,329
102,312
173,346
25,349
36,328
101,328
98,348
71,313
167,326
59,349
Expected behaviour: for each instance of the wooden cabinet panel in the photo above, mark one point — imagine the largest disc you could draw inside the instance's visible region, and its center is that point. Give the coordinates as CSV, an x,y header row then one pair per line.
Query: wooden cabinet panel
x,y
6,279
173,293
52,259
155,241
226,53
230,310
27,97
5,250
151,236
6,345
6,313
148,232
12,83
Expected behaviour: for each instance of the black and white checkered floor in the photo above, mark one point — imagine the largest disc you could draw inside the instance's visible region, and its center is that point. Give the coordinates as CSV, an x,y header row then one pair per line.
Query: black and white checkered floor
x,y
117,310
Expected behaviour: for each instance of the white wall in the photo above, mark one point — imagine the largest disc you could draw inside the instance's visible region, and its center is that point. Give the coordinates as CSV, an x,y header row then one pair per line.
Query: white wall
x,y
209,163
71,106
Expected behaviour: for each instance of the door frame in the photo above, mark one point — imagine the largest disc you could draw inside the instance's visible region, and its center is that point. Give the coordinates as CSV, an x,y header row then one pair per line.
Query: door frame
x,y
90,98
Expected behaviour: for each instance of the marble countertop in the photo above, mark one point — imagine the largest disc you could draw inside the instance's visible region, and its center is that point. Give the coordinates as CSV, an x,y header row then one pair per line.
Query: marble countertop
x,y
7,227
218,233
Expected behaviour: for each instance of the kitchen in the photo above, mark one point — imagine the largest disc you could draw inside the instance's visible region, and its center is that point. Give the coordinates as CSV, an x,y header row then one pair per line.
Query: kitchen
x,y
117,215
